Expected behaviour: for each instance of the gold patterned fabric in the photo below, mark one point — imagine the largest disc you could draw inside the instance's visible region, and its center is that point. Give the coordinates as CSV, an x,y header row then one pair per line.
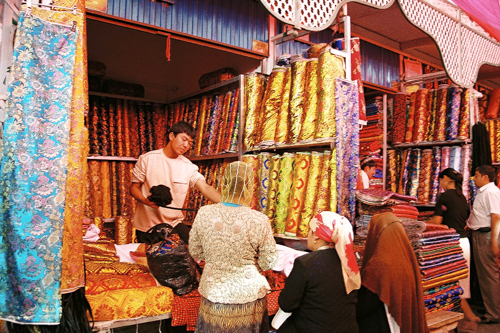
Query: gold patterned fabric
x,y
281,135
101,246
123,189
323,195
201,123
101,257
160,126
425,177
271,105
440,126
122,268
421,114
497,141
265,165
123,230
297,99
99,283
106,190
131,303
308,129
299,187
126,130
490,127
253,162
254,92
392,184
285,179
330,66
463,129
310,197
273,187
333,182
114,188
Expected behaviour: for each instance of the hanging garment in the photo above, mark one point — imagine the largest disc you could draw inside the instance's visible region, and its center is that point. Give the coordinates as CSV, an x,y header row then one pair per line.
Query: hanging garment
x,y
481,149
33,171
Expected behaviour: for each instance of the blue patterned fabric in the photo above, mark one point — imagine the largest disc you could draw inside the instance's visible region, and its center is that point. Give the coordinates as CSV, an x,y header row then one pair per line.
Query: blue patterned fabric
x,y
347,144
33,172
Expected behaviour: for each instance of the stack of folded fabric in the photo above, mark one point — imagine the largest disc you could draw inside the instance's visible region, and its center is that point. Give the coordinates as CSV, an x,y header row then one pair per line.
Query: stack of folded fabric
x,y
442,264
371,137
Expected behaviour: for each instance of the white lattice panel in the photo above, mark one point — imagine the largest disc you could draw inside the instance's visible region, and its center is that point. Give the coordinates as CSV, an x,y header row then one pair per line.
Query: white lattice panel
x,y
313,15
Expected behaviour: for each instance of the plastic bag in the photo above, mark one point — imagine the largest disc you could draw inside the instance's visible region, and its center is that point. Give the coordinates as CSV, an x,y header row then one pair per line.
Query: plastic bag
x,y
169,260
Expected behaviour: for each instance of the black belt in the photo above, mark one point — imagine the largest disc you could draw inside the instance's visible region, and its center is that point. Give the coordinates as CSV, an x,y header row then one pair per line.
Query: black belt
x,y
485,229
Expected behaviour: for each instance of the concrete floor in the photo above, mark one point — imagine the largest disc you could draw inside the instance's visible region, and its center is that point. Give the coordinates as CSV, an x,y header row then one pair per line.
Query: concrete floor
x,y
465,326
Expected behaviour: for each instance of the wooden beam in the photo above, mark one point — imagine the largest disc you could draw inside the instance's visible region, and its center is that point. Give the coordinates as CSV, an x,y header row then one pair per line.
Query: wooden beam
x,y
489,76
416,43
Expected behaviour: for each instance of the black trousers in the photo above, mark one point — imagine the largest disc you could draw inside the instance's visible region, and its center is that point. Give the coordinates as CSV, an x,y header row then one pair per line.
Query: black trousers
x,y
181,229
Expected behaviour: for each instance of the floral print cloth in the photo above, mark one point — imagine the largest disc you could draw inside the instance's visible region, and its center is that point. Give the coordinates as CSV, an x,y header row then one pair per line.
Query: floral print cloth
x,y
33,171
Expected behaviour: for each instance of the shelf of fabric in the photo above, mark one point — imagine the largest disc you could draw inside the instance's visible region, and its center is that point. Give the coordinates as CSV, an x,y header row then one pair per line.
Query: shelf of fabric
x,y
288,146
213,157
112,158
234,80
431,143
129,98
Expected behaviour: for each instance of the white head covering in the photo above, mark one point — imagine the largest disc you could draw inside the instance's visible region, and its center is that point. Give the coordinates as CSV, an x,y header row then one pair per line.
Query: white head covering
x,y
236,183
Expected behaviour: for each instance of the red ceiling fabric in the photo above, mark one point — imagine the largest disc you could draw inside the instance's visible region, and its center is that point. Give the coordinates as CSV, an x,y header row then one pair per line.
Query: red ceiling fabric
x,y
486,13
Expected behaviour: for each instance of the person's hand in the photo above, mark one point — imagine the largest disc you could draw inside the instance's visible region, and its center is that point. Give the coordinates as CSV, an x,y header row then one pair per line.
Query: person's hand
x,y
495,248
150,203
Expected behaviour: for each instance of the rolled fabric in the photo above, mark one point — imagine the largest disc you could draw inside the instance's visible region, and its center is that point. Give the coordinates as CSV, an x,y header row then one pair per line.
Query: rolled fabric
x,y
307,131
132,200
104,133
425,177
211,124
299,187
433,105
330,66
399,118
297,99
123,230
148,113
273,187
89,207
201,123
410,118
236,130
170,109
440,126
285,180
453,116
493,104
143,136
264,174
466,151
120,140
463,129
222,123
436,170
112,127
94,168
123,187
490,127
135,147
254,92
105,178
98,222
323,193
334,203
115,210
93,123
421,115
456,158
271,105
253,162
159,126
282,123
231,121
445,158
497,141
403,179
416,157
313,178
391,183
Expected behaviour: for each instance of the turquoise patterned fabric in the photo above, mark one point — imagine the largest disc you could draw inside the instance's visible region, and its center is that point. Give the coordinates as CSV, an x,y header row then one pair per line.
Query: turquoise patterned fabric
x,y
33,171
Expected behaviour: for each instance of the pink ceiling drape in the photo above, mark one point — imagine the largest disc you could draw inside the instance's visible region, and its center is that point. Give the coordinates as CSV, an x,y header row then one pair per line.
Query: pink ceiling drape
x,y
486,13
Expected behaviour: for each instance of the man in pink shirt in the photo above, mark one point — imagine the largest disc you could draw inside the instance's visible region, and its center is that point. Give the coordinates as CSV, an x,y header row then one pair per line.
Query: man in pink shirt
x,y
167,167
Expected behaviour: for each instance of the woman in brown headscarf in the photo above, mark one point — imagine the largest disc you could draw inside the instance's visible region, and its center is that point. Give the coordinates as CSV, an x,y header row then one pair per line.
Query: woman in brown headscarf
x,y
391,297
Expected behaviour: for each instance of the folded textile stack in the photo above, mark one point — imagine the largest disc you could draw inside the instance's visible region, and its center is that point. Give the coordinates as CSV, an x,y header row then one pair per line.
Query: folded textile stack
x,y
442,264
371,137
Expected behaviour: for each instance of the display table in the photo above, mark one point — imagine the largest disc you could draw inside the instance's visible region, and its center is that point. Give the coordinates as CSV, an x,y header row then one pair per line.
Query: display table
x,y
443,321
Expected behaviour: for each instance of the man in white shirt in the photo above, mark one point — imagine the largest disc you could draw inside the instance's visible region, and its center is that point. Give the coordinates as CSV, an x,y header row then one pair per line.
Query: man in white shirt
x,y
485,225
368,169
167,167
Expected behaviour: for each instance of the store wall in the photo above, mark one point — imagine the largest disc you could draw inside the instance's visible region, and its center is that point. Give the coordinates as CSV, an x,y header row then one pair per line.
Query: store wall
x,y
234,22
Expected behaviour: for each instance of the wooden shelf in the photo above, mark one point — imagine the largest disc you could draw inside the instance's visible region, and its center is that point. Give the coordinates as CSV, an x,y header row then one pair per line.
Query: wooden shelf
x,y
288,146
207,89
379,89
130,98
431,143
112,158
212,157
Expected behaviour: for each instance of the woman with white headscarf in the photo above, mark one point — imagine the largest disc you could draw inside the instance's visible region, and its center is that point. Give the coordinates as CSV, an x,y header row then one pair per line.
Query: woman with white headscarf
x,y
237,244
321,290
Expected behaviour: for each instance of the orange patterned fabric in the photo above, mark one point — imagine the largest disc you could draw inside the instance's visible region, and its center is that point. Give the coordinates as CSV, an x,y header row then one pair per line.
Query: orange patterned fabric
x,y
99,283
121,268
131,303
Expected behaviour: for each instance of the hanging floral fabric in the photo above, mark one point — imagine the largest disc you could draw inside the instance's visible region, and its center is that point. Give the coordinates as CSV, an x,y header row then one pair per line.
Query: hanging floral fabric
x,y
33,171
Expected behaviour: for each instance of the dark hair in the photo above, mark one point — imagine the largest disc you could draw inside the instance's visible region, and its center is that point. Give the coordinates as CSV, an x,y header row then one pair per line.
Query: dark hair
x,y
487,170
367,162
455,176
181,127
